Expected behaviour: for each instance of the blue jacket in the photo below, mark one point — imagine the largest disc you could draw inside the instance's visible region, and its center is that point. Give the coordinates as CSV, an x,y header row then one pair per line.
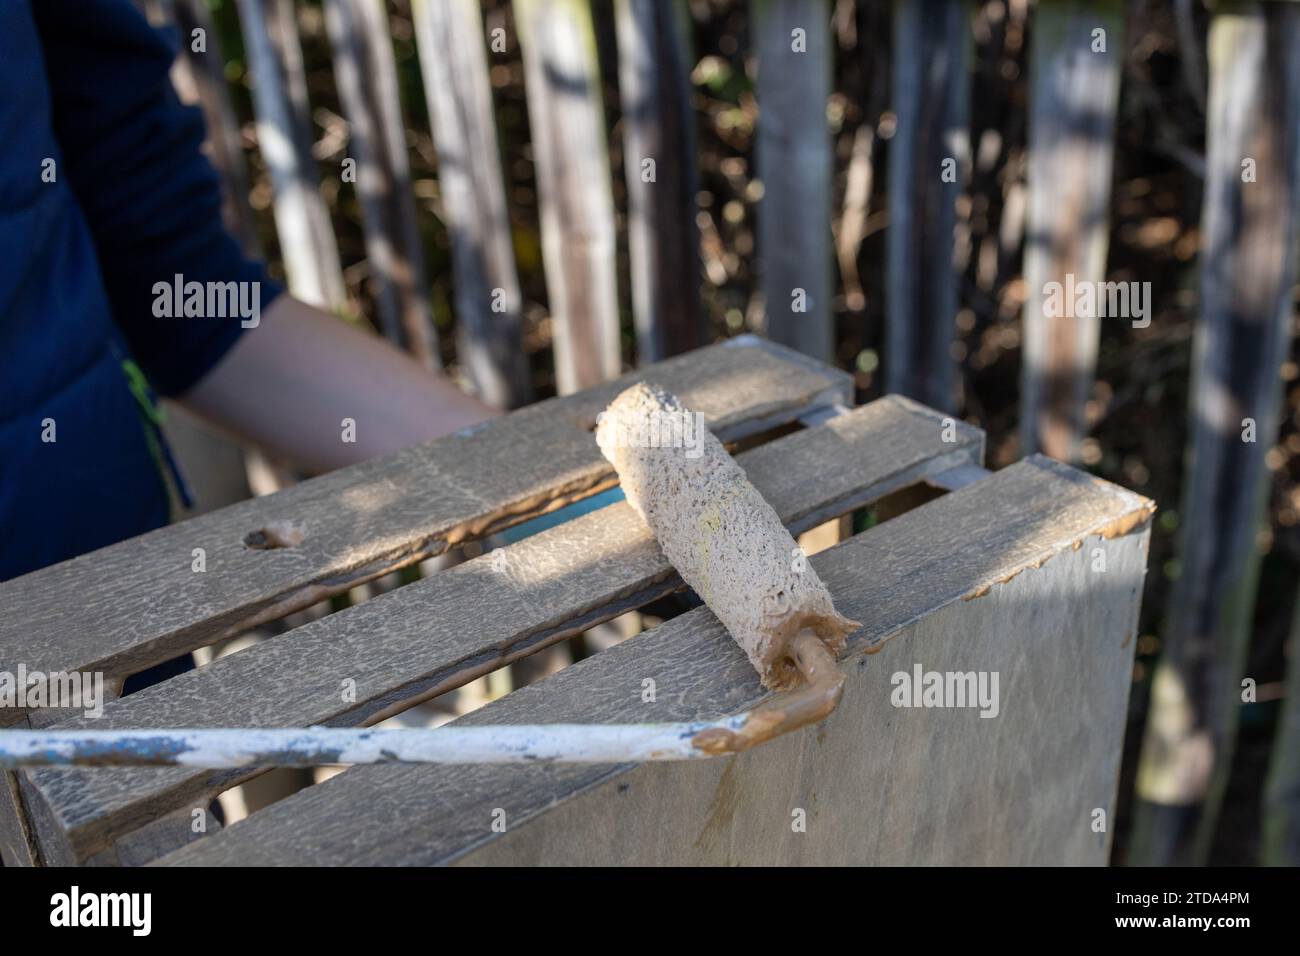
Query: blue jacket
x,y
103,193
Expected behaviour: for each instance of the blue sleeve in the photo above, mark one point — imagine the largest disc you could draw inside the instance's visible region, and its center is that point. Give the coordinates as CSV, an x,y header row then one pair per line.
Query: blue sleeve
x,y
131,155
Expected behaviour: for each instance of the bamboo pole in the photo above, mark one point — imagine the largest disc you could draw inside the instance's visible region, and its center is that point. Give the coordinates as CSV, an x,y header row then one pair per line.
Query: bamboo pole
x,y
489,336
307,246
1250,222
562,80
929,156
659,158
1073,97
793,157
367,84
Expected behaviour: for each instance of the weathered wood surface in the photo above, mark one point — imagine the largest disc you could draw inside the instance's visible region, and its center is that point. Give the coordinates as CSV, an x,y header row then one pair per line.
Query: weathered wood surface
x,y
879,785
928,159
139,602
884,786
307,246
367,83
433,635
793,161
281,21
1251,225
489,337
574,193
1073,97
660,161
17,843
158,838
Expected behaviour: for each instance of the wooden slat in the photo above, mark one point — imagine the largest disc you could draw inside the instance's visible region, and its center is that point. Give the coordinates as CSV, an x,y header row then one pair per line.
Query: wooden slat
x,y
895,786
793,159
566,118
489,338
439,633
311,256
281,20
156,839
18,839
931,93
1248,272
134,604
367,83
17,843
658,127
1073,97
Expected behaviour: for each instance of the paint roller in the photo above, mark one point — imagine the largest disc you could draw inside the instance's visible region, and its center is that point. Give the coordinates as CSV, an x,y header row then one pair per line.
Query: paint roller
x,y
730,546
714,527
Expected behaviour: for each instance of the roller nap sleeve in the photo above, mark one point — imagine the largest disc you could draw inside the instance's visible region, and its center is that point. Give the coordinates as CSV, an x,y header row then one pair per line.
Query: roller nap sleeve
x,y
720,534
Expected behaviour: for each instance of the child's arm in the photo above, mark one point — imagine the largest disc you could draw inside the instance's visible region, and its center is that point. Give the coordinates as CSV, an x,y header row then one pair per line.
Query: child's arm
x,y
132,157
289,383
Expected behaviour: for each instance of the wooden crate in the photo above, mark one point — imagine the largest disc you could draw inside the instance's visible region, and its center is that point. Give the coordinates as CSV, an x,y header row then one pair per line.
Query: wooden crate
x,y
1034,573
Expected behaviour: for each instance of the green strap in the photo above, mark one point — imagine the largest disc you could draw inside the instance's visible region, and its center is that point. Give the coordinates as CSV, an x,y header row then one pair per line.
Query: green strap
x,y
139,385
168,468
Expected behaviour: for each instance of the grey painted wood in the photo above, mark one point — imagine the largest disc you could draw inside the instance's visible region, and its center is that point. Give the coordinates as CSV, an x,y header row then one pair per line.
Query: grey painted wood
x,y
1073,97
793,160
157,838
17,843
437,634
574,192
489,337
887,786
1248,271
139,602
366,77
959,477
307,246
659,129
929,155
997,575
